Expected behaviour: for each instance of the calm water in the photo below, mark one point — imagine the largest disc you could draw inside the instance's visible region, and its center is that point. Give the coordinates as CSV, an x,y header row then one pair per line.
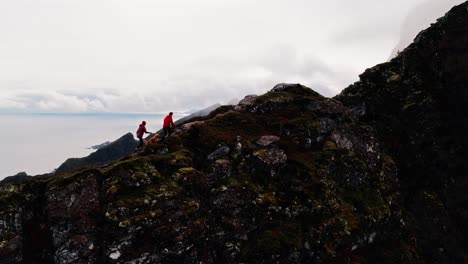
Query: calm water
x,y
39,143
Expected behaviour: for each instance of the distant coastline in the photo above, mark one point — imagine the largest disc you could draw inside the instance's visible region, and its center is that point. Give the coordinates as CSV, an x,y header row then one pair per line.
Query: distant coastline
x,y
62,136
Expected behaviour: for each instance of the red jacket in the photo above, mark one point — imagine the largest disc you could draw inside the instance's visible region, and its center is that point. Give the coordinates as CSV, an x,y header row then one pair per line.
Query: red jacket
x,y
168,121
141,131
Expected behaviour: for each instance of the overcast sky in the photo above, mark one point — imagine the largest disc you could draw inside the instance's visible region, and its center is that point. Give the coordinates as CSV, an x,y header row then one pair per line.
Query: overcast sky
x,y
153,56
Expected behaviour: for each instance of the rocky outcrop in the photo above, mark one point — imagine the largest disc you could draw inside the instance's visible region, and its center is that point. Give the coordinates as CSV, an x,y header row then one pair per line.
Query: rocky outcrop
x,y
418,104
253,185
285,177
256,184
19,177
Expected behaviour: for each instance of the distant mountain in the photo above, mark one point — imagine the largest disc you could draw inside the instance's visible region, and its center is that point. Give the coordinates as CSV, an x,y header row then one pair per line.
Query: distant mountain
x,y
199,113
110,152
100,145
20,177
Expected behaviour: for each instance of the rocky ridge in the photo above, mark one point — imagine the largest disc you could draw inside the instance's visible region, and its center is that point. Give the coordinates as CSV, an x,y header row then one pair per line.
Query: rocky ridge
x,y
374,175
17,178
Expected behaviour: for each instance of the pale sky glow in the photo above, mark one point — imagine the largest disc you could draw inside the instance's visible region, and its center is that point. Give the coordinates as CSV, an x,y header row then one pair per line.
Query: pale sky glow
x,y
152,56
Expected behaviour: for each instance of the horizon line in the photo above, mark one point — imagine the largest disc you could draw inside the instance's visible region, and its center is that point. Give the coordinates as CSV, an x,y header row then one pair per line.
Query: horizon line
x,y
94,113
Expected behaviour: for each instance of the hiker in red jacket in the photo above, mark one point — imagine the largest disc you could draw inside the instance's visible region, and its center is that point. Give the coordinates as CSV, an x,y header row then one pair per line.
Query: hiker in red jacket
x,y
140,132
167,125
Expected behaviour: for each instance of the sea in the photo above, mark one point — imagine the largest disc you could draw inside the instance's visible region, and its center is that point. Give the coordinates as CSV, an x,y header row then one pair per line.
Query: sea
x,y
39,143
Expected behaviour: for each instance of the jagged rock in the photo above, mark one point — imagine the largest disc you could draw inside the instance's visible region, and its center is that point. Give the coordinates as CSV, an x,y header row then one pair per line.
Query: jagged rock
x,y
248,100
73,225
187,126
329,107
222,168
341,141
285,86
381,185
219,153
271,160
417,103
267,140
326,125
158,149
271,156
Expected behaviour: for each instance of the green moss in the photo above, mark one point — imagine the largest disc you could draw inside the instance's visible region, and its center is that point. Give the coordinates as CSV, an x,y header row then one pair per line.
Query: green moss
x,y
409,107
181,158
169,163
191,206
273,241
267,199
140,218
3,244
394,78
183,172
329,145
365,199
64,180
276,97
12,196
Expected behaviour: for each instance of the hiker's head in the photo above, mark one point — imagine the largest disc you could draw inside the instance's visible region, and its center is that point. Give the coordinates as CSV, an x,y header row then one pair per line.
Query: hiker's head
x,y
170,113
143,123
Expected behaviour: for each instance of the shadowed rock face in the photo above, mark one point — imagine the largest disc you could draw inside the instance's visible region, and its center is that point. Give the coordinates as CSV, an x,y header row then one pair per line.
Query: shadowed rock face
x,y
289,177
418,103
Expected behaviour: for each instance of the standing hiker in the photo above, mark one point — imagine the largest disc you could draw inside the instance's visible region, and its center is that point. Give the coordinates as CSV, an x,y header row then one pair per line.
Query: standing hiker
x,y
140,132
167,125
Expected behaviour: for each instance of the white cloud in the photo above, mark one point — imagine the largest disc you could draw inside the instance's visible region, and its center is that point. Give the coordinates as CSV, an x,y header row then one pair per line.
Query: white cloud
x,y
152,56
420,17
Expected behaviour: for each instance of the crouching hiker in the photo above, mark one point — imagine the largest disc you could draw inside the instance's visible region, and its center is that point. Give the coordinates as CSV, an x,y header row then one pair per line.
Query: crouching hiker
x,y
140,132
152,141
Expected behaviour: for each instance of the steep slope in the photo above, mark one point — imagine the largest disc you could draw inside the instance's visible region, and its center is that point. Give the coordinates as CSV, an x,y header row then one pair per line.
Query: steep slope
x,y
290,176
418,102
374,175
115,150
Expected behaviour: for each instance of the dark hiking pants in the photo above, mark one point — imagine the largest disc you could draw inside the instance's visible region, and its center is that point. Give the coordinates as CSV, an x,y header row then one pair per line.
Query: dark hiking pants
x,y
166,131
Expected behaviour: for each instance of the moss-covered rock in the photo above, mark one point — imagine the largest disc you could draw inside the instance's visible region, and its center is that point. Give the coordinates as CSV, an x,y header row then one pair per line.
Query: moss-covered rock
x,y
285,177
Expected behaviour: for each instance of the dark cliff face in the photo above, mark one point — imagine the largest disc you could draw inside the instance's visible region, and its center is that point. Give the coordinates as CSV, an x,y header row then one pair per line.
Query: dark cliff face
x,y
418,103
286,177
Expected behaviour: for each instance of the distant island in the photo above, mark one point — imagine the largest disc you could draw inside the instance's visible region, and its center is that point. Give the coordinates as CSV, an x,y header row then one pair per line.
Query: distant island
x,y
99,146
